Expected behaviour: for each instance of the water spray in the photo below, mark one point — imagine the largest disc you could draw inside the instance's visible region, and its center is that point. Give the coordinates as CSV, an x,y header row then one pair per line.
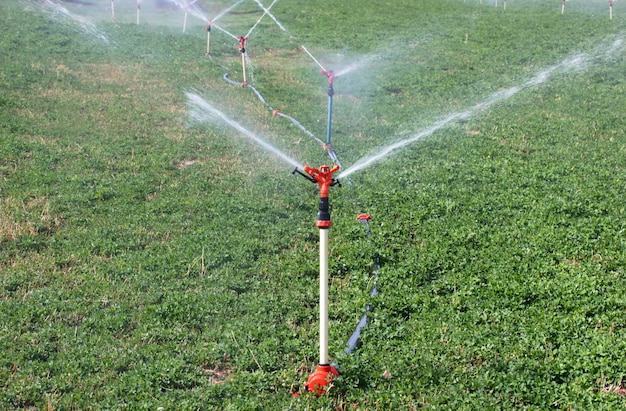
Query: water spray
x,y
313,58
267,11
319,381
242,50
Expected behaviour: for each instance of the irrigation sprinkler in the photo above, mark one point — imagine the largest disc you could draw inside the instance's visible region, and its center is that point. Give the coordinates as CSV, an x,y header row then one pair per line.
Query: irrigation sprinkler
x,y
138,8
318,382
563,7
112,9
610,9
242,50
208,38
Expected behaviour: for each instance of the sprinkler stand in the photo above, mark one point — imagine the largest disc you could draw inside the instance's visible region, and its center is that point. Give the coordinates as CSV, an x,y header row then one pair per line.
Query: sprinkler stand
x,y
208,38
322,377
242,50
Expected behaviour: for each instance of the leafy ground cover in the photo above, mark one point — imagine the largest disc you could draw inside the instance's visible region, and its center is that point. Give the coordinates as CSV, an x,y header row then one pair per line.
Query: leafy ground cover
x,y
151,263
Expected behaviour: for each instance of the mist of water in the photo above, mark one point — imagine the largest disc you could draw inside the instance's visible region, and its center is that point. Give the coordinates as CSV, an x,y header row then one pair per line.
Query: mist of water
x,y
260,18
190,8
88,27
201,111
576,62
313,57
357,65
225,11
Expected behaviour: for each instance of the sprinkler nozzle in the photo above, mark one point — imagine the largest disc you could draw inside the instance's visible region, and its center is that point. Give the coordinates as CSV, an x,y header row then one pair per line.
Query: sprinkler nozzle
x,y
276,112
330,74
331,78
323,176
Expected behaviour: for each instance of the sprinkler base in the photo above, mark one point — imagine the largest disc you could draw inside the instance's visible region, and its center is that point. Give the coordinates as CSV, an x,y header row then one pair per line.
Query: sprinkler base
x,y
318,381
244,84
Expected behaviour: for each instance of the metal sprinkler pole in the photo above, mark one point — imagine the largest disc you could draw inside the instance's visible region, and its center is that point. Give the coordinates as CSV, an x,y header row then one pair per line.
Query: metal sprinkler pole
x,y
112,9
318,382
138,8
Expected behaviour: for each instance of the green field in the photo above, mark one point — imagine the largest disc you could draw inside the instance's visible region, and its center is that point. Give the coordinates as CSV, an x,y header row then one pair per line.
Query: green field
x,y
152,261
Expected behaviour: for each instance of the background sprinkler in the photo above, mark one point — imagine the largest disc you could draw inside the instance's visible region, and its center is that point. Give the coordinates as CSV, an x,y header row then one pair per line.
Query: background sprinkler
x,y
563,7
208,38
112,9
610,9
318,382
187,7
138,8
242,50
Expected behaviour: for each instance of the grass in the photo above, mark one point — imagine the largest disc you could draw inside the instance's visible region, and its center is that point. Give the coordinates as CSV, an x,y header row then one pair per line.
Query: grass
x,y
145,263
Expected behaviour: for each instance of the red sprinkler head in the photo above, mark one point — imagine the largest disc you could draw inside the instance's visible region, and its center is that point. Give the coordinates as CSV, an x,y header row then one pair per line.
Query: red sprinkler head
x,y
323,176
208,27
330,74
242,44
331,78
